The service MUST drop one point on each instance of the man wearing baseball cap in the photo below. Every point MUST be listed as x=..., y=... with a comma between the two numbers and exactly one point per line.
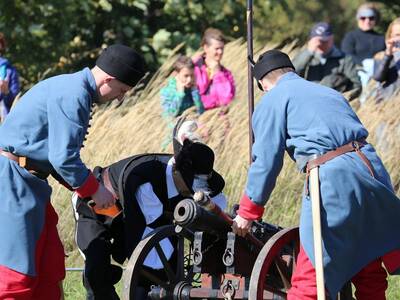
x=317, y=127
x=323, y=62
x=43, y=136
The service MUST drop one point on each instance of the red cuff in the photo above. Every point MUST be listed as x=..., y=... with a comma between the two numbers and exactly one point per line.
x=391, y=261
x=89, y=187
x=249, y=210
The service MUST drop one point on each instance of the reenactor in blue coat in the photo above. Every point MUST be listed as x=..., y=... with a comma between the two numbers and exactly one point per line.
x=43, y=136
x=360, y=213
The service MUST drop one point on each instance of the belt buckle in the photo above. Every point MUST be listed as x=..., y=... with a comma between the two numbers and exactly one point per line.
x=308, y=159
x=355, y=145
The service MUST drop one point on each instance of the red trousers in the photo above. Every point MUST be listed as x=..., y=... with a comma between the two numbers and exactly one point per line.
x=370, y=282
x=50, y=268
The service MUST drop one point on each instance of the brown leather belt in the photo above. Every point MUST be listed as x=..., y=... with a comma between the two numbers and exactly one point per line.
x=23, y=162
x=350, y=147
x=20, y=160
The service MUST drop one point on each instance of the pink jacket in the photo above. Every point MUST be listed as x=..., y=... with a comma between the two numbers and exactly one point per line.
x=218, y=91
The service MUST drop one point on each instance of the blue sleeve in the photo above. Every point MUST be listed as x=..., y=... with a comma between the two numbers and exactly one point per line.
x=13, y=87
x=67, y=119
x=269, y=127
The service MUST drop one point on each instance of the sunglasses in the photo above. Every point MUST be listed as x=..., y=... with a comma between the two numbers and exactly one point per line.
x=369, y=18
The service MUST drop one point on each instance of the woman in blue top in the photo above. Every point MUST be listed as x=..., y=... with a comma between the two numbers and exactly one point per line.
x=9, y=82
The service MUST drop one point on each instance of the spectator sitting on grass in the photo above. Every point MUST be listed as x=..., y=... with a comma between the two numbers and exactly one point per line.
x=180, y=93
x=387, y=69
x=323, y=63
x=9, y=82
x=215, y=83
x=364, y=42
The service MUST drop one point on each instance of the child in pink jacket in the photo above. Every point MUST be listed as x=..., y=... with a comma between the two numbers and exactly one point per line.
x=214, y=82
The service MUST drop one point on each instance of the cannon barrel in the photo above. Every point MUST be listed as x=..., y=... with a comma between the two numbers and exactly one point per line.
x=190, y=215
x=205, y=201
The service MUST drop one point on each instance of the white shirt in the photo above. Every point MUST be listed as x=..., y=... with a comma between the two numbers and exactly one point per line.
x=152, y=208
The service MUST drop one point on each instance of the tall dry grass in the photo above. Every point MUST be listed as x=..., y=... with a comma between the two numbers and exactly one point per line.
x=137, y=127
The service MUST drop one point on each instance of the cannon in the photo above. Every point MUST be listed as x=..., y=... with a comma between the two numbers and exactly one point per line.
x=210, y=262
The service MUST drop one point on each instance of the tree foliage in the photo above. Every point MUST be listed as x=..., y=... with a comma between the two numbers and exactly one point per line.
x=64, y=35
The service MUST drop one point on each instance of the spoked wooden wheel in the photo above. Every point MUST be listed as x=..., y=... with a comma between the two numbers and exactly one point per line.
x=274, y=266
x=175, y=272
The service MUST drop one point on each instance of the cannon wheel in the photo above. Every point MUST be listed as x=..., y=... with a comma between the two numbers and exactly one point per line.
x=172, y=274
x=271, y=256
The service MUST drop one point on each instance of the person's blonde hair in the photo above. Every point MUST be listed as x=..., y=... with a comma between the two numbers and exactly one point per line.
x=212, y=34
x=390, y=28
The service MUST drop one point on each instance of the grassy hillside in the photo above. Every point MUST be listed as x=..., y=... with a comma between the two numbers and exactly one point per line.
x=136, y=127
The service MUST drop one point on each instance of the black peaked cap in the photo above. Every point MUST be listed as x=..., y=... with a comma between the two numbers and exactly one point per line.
x=123, y=63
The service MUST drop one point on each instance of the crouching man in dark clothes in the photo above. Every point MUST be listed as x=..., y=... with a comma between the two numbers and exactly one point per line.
x=147, y=187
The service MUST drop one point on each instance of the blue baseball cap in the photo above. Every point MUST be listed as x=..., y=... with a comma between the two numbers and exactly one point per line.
x=322, y=30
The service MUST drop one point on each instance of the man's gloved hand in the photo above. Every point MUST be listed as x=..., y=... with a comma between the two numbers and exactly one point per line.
x=103, y=198
x=241, y=226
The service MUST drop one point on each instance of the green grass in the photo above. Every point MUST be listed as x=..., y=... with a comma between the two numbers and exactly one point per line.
x=393, y=292
x=73, y=287
x=74, y=290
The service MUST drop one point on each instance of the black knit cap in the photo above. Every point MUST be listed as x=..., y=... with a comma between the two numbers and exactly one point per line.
x=269, y=61
x=123, y=63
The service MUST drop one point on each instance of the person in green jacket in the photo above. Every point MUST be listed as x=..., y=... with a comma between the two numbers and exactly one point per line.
x=324, y=63
x=180, y=93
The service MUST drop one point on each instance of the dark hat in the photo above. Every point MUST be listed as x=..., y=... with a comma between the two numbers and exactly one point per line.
x=202, y=158
x=269, y=61
x=197, y=158
x=322, y=30
x=122, y=62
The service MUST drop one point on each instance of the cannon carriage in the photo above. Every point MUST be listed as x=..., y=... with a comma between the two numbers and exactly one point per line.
x=210, y=262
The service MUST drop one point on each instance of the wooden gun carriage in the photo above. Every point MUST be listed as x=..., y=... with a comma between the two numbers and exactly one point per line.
x=210, y=262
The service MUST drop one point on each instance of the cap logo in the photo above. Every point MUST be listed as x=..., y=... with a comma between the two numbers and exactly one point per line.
x=320, y=30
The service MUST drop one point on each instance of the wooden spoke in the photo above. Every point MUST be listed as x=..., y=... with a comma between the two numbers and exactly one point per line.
x=167, y=267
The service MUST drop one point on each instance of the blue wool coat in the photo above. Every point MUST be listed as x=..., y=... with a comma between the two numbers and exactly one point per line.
x=48, y=125
x=360, y=214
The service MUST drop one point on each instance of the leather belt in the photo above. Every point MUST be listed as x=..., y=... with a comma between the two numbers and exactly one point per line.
x=20, y=160
x=350, y=147
x=23, y=162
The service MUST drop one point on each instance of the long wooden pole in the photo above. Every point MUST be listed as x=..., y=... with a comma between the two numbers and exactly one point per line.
x=250, y=89
x=317, y=234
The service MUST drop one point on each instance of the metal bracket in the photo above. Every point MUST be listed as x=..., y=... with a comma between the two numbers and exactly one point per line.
x=229, y=255
x=197, y=253
x=229, y=288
